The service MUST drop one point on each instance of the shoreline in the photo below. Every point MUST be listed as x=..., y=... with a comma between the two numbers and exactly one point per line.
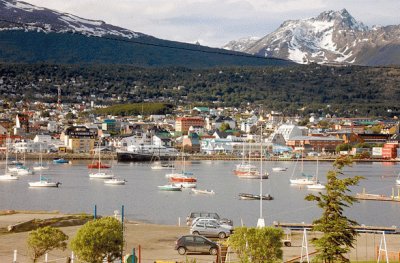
x=113, y=156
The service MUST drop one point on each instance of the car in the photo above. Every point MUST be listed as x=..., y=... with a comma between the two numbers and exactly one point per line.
x=210, y=229
x=196, y=244
x=210, y=220
x=193, y=215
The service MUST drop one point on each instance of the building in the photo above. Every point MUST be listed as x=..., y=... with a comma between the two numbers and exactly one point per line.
x=78, y=139
x=182, y=124
x=290, y=131
x=315, y=143
x=109, y=125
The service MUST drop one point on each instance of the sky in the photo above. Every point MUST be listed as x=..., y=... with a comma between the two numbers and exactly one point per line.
x=216, y=22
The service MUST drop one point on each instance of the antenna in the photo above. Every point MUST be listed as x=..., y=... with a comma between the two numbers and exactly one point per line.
x=58, y=97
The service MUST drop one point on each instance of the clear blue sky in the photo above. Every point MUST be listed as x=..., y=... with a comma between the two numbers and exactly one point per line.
x=216, y=22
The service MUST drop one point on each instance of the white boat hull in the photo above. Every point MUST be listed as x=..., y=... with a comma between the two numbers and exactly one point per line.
x=115, y=181
x=317, y=186
x=279, y=169
x=40, y=168
x=398, y=181
x=198, y=191
x=301, y=181
x=101, y=176
x=44, y=184
x=8, y=177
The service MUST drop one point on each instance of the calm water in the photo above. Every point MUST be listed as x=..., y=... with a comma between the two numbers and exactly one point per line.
x=143, y=201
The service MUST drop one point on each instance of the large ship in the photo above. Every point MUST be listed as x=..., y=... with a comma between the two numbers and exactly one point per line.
x=147, y=152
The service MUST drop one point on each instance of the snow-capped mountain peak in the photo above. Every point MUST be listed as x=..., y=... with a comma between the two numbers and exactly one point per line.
x=331, y=37
x=22, y=15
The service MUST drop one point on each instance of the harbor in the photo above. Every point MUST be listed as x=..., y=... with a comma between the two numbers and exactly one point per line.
x=143, y=200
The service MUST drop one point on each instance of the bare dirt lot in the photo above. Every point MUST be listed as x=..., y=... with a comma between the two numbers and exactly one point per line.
x=157, y=242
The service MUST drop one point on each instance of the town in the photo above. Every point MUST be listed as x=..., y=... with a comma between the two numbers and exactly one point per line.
x=202, y=132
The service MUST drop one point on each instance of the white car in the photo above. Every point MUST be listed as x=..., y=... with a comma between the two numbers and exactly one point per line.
x=210, y=220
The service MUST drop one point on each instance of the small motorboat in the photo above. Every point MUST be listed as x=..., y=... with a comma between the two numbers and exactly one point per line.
x=60, y=161
x=101, y=175
x=279, y=169
x=206, y=191
x=170, y=187
x=244, y=196
x=115, y=181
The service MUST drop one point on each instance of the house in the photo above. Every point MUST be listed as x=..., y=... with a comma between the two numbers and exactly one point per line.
x=191, y=143
x=289, y=131
x=222, y=119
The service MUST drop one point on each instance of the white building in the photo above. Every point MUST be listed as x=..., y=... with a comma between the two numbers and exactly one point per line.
x=30, y=146
x=290, y=130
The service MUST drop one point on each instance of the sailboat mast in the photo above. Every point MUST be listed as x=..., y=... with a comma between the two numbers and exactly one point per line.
x=99, y=164
x=261, y=170
x=5, y=172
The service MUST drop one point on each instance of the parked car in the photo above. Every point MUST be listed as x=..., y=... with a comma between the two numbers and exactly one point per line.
x=210, y=220
x=197, y=244
x=193, y=215
x=210, y=229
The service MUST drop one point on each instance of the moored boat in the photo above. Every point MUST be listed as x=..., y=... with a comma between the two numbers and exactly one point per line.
x=316, y=186
x=60, y=161
x=253, y=175
x=200, y=191
x=186, y=184
x=98, y=165
x=170, y=187
x=279, y=169
x=245, y=196
x=44, y=182
x=183, y=179
x=8, y=177
x=162, y=166
x=101, y=175
x=115, y=181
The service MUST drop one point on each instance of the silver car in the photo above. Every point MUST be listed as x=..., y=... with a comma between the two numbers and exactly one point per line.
x=210, y=229
x=211, y=220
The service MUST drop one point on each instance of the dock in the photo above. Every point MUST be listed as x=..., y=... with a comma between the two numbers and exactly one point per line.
x=378, y=197
x=360, y=228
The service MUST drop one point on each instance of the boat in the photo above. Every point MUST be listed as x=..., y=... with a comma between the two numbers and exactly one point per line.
x=7, y=176
x=185, y=184
x=304, y=179
x=146, y=153
x=206, y=191
x=316, y=185
x=101, y=175
x=170, y=187
x=20, y=170
x=115, y=181
x=40, y=167
x=162, y=166
x=97, y=165
x=398, y=179
x=44, y=182
x=279, y=169
x=60, y=161
x=244, y=196
x=183, y=179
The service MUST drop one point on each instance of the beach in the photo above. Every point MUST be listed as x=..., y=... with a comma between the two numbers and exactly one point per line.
x=157, y=241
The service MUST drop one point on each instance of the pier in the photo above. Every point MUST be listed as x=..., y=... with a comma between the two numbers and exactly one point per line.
x=378, y=197
x=361, y=228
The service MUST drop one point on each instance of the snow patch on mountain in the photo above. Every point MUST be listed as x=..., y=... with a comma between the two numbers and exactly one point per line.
x=25, y=16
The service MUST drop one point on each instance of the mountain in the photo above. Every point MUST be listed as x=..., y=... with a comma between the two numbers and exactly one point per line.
x=32, y=34
x=330, y=38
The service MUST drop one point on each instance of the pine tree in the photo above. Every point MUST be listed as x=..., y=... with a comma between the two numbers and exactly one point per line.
x=338, y=232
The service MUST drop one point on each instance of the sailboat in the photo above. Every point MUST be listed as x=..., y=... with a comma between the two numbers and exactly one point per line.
x=246, y=170
x=40, y=166
x=7, y=176
x=316, y=185
x=100, y=174
x=305, y=179
x=43, y=181
x=183, y=178
x=98, y=164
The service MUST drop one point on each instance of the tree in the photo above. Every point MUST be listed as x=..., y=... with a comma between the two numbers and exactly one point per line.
x=257, y=245
x=338, y=232
x=224, y=126
x=45, y=239
x=99, y=239
x=343, y=147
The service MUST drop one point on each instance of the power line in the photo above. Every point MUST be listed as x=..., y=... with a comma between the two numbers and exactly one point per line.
x=227, y=53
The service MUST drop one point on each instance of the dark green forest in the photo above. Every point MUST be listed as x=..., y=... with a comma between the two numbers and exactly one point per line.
x=299, y=89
